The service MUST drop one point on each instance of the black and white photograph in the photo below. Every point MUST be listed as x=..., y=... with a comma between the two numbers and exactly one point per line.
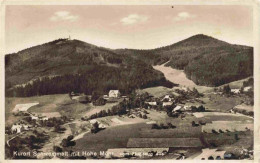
x=129, y=82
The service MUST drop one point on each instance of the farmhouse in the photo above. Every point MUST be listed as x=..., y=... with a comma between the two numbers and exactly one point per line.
x=114, y=93
x=164, y=143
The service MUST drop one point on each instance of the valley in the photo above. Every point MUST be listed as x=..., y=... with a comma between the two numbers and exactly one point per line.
x=89, y=102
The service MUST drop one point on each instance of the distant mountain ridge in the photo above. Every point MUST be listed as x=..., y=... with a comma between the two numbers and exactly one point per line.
x=204, y=59
x=84, y=67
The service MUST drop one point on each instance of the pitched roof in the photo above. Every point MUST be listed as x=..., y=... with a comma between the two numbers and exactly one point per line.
x=114, y=91
x=177, y=108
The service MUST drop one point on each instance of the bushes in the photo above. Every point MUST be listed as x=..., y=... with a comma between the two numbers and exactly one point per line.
x=201, y=108
x=100, y=101
x=68, y=142
x=226, y=89
x=95, y=127
x=163, y=126
x=124, y=107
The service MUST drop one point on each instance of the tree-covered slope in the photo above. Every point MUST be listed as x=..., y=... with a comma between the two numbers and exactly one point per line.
x=205, y=60
x=65, y=65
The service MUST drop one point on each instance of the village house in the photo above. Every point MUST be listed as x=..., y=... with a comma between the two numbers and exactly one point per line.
x=167, y=103
x=17, y=128
x=44, y=118
x=106, y=97
x=167, y=97
x=152, y=103
x=246, y=89
x=100, y=125
x=187, y=108
x=177, y=108
x=114, y=94
x=235, y=91
x=33, y=117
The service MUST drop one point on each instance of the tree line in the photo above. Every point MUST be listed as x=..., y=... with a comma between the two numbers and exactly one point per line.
x=94, y=78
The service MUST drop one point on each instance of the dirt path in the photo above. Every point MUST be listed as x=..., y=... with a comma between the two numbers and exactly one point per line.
x=7, y=142
x=48, y=147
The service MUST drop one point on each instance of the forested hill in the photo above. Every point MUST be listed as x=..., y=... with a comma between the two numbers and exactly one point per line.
x=205, y=60
x=66, y=65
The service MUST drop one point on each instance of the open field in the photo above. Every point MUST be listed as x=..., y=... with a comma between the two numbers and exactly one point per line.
x=246, y=140
x=226, y=117
x=95, y=109
x=56, y=104
x=237, y=84
x=179, y=132
x=158, y=91
x=227, y=140
x=220, y=103
x=227, y=126
x=47, y=104
x=123, y=132
x=112, y=137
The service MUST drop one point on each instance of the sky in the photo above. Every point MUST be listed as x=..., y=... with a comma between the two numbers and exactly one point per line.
x=136, y=27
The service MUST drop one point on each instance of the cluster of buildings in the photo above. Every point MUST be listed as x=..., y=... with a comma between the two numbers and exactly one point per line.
x=168, y=100
x=238, y=91
x=23, y=110
x=19, y=127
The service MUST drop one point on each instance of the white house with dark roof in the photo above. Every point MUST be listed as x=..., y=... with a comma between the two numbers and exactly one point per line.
x=114, y=93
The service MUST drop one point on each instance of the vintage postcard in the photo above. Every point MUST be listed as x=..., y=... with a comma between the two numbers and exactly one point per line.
x=144, y=80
